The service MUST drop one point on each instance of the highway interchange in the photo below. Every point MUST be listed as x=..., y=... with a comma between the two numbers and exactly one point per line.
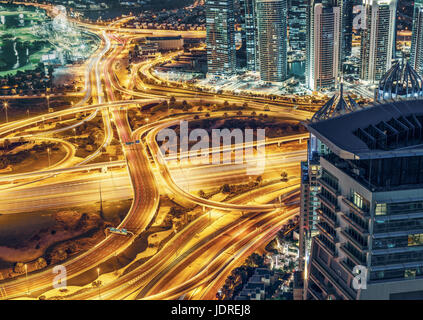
x=195, y=262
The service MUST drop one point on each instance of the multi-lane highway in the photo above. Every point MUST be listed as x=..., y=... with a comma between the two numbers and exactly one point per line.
x=220, y=238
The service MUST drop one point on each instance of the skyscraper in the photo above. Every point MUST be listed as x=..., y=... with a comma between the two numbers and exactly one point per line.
x=346, y=29
x=221, y=51
x=250, y=34
x=371, y=212
x=417, y=38
x=272, y=39
x=323, y=52
x=297, y=21
x=311, y=171
x=377, y=39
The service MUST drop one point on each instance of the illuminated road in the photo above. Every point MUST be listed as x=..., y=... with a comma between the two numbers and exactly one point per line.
x=220, y=238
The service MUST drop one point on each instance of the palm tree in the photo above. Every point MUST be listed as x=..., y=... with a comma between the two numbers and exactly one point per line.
x=41, y=263
x=19, y=267
x=6, y=143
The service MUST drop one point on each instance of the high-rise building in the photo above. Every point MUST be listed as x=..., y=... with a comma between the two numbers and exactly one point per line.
x=323, y=51
x=297, y=22
x=272, y=39
x=221, y=51
x=311, y=171
x=346, y=28
x=250, y=30
x=417, y=38
x=370, y=242
x=377, y=39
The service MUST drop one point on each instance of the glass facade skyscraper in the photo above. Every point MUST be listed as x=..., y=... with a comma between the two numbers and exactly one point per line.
x=377, y=39
x=297, y=21
x=417, y=38
x=272, y=39
x=323, y=46
x=221, y=51
x=250, y=34
x=371, y=205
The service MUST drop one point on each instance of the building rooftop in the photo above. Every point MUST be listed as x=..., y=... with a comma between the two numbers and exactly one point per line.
x=381, y=131
x=400, y=81
x=336, y=106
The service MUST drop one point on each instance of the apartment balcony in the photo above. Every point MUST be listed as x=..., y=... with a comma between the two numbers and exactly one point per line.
x=329, y=235
x=316, y=295
x=356, y=242
x=354, y=224
x=362, y=212
x=328, y=219
x=325, y=246
x=347, y=267
x=352, y=255
x=328, y=202
x=328, y=187
x=346, y=292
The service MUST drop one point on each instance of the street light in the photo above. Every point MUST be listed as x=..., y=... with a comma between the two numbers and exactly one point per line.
x=26, y=277
x=48, y=153
x=74, y=135
x=48, y=103
x=5, y=107
x=98, y=283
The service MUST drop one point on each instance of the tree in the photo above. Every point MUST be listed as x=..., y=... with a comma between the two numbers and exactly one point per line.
x=172, y=100
x=259, y=179
x=255, y=260
x=40, y=263
x=6, y=143
x=202, y=194
x=226, y=188
x=284, y=176
x=226, y=104
x=245, y=105
x=19, y=267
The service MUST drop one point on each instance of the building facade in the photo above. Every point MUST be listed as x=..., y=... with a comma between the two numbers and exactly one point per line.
x=272, y=39
x=377, y=39
x=371, y=212
x=416, y=52
x=250, y=30
x=323, y=52
x=346, y=28
x=221, y=51
x=297, y=22
x=311, y=172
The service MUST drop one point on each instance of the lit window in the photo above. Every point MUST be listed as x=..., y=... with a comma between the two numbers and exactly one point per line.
x=415, y=239
x=410, y=273
x=358, y=200
x=380, y=209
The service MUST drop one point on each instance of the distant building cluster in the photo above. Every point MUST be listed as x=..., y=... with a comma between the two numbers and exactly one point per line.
x=255, y=288
x=322, y=30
